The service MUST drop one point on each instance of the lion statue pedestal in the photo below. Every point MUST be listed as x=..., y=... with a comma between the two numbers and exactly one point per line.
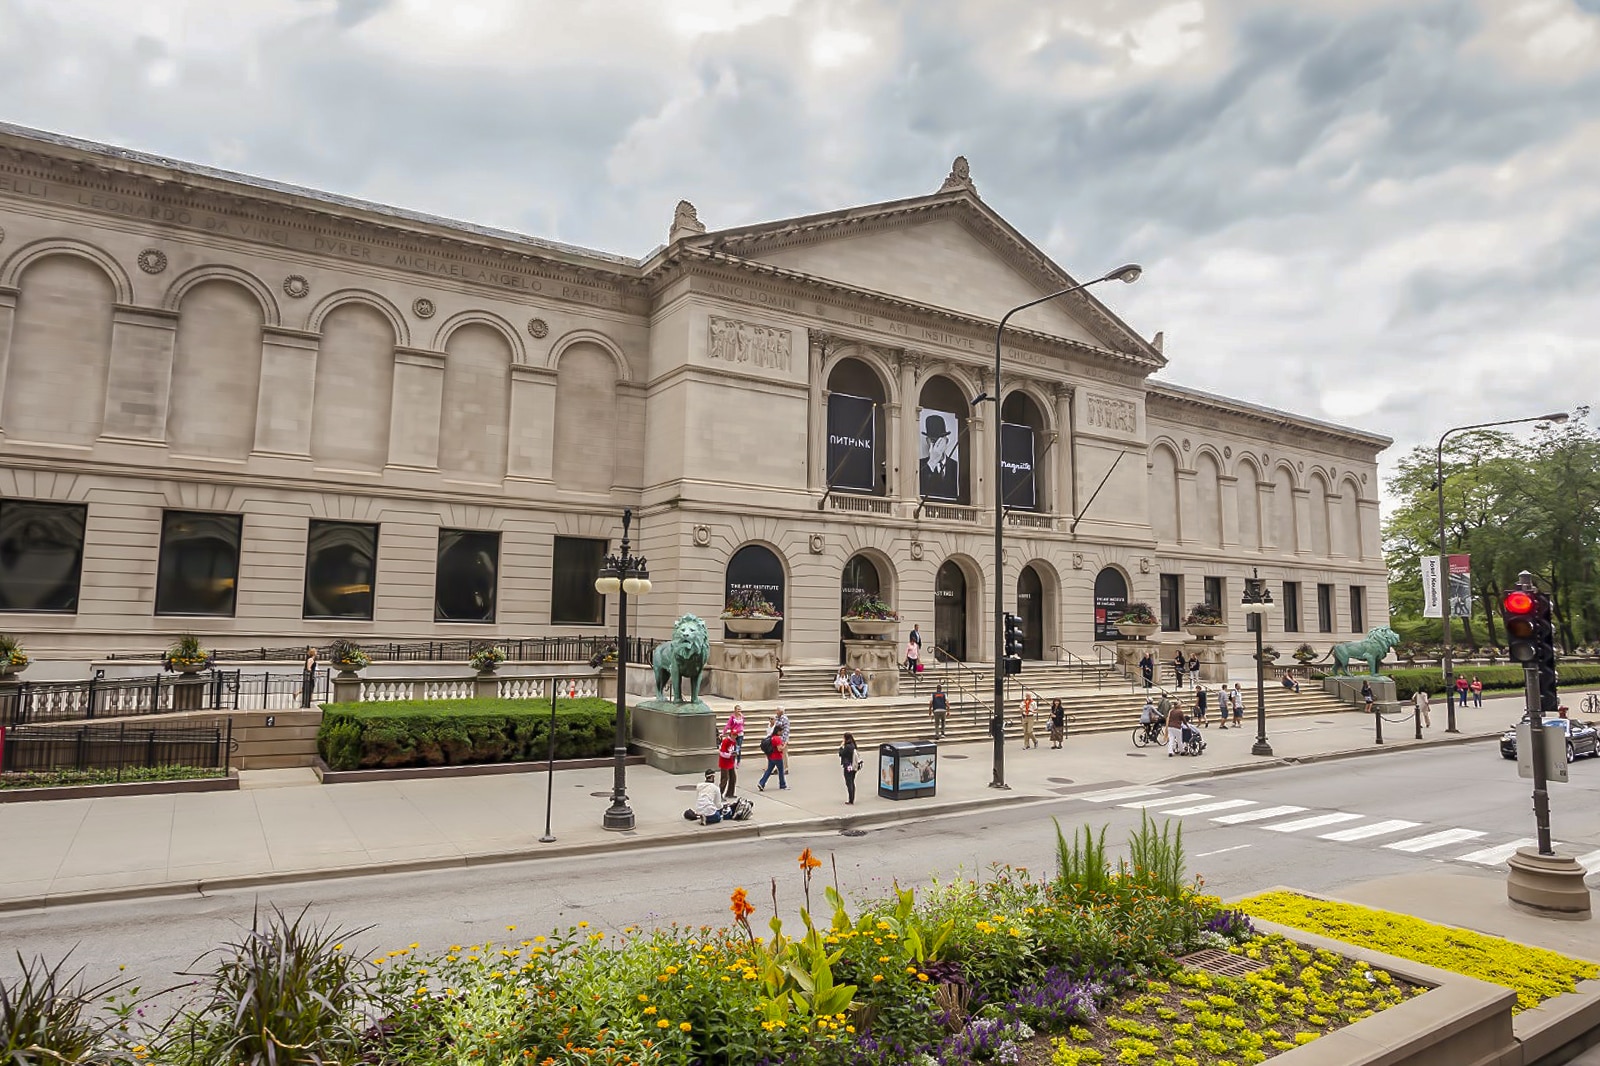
x=674, y=733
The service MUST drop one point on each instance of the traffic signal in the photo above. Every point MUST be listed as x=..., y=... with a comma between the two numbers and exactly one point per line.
x=1013, y=644
x=1544, y=635
x=1519, y=612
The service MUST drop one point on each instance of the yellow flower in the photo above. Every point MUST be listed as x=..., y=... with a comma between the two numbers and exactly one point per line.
x=685, y=1026
x=649, y=1010
x=663, y=1024
x=583, y=925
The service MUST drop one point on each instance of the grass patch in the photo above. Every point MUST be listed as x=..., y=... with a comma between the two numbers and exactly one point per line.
x=129, y=775
x=360, y=736
x=1535, y=974
x=1494, y=678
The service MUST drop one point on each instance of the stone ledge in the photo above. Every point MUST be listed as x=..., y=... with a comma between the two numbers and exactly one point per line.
x=477, y=769
x=128, y=788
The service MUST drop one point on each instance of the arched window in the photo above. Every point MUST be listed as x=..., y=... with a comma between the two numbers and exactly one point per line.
x=1249, y=494
x=857, y=430
x=472, y=433
x=1285, y=533
x=1318, y=502
x=756, y=567
x=950, y=612
x=1208, y=501
x=1030, y=608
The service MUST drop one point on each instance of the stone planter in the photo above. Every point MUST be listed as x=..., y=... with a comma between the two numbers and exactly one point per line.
x=1137, y=630
x=1202, y=631
x=872, y=627
x=187, y=668
x=750, y=627
x=8, y=669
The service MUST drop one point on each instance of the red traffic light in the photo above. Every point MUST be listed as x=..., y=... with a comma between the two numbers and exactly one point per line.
x=1517, y=602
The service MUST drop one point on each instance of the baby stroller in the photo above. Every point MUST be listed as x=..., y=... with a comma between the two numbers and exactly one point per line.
x=1189, y=742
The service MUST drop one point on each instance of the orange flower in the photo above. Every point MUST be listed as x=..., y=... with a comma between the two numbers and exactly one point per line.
x=809, y=861
x=741, y=905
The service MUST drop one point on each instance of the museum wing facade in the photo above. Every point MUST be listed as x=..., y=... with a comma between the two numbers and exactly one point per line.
x=269, y=415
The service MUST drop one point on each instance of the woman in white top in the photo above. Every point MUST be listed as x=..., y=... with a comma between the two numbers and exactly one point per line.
x=841, y=683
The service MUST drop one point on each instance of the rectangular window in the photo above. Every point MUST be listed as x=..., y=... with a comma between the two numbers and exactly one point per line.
x=199, y=568
x=467, y=576
x=1291, y=606
x=1214, y=594
x=1358, y=609
x=341, y=570
x=573, y=599
x=1171, y=602
x=41, y=555
x=1252, y=622
x=1325, y=608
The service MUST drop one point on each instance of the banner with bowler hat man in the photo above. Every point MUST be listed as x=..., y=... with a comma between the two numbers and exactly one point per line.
x=939, y=470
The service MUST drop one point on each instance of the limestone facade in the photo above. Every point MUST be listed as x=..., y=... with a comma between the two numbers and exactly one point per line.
x=181, y=342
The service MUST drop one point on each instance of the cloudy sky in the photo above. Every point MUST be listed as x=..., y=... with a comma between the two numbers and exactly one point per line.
x=1379, y=212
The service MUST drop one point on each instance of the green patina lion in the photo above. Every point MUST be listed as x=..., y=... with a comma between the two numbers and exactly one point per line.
x=683, y=658
x=1373, y=647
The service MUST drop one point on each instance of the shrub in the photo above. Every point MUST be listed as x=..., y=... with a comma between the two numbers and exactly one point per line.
x=452, y=732
x=46, y=1016
x=11, y=653
x=1406, y=682
x=1204, y=614
x=186, y=652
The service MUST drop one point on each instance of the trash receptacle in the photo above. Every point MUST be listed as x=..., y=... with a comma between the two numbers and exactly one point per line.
x=907, y=769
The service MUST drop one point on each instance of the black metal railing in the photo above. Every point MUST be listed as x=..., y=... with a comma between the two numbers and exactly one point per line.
x=34, y=702
x=119, y=746
x=569, y=649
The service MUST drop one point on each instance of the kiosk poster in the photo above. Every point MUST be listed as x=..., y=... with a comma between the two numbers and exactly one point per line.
x=939, y=468
x=852, y=443
x=1016, y=466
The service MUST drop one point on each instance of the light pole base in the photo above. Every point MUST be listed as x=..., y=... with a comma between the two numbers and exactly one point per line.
x=1261, y=747
x=1550, y=886
x=547, y=840
x=618, y=817
x=1000, y=785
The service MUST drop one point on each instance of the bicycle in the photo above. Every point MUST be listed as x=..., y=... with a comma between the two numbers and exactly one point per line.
x=1145, y=735
x=1591, y=705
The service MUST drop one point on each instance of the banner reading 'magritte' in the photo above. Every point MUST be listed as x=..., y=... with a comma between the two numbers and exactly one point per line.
x=852, y=443
x=1016, y=466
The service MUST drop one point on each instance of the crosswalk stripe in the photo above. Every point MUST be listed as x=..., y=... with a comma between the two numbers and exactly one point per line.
x=1311, y=823
x=1590, y=862
x=1162, y=801
x=1106, y=795
x=1434, y=840
x=1206, y=808
x=1376, y=829
x=1256, y=816
x=1497, y=855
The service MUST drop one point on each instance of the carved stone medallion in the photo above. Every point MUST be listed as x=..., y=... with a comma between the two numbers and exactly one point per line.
x=152, y=260
x=818, y=544
x=702, y=536
x=296, y=286
x=422, y=307
x=538, y=328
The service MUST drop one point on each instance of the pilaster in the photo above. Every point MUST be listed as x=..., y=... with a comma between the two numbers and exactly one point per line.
x=1063, y=501
x=905, y=430
x=139, y=378
x=1228, y=491
x=8, y=311
x=1302, y=521
x=817, y=414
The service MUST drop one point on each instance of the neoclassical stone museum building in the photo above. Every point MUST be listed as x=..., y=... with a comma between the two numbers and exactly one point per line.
x=270, y=415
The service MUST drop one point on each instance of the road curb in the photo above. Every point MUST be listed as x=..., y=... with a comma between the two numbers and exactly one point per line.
x=1280, y=761
x=618, y=842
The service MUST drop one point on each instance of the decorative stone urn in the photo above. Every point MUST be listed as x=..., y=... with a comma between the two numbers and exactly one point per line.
x=750, y=627
x=872, y=627
x=1137, y=630
x=1202, y=631
x=11, y=669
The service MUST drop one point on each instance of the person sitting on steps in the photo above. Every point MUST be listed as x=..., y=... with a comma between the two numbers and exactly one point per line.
x=858, y=685
x=709, y=807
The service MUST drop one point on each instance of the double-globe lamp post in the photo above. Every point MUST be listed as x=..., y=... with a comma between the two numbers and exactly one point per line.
x=622, y=573
x=1444, y=558
x=1127, y=274
x=1257, y=601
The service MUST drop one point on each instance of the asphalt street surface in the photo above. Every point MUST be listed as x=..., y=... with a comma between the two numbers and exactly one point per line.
x=1386, y=815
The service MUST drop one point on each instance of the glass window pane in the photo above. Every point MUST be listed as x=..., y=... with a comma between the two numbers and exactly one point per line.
x=1171, y=602
x=1291, y=606
x=467, y=575
x=199, y=569
x=1214, y=594
x=1325, y=608
x=1358, y=609
x=341, y=569
x=575, y=564
x=41, y=555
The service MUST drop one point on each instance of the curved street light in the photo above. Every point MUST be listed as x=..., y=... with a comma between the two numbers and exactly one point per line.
x=1438, y=485
x=1128, y=273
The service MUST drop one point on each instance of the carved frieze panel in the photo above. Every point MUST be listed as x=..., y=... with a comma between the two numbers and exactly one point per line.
x=747, y=344
x=1110, y=413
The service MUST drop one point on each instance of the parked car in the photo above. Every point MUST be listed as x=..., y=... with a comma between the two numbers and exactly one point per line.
x=1581, y=738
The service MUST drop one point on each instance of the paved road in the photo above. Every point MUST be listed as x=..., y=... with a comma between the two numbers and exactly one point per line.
x=1398, y=813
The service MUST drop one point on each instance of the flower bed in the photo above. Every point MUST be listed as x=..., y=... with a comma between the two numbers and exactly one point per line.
x=1535, y=974
x=360, y=736
x=130, y=775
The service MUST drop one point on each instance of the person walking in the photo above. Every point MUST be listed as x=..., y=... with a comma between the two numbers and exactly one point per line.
x=1179, y=665
x=915, y=637
x=1174, y=728
x=728, y=763
x=1419, y=700
x=1200, y=698
x=774, y=746
x=1238, y=706
x=735, y=727
x=938, y=707
x=851, y=762
x=1058, y=723
x=1477, y=691
x=913, y=652
x=1147, y=668
x=1194, y=670
x=1028, y=713
x=780, y=726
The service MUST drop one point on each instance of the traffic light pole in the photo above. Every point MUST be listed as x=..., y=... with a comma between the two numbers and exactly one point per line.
x=1536, y=745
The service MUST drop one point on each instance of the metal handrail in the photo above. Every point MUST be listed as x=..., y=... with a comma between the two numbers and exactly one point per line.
x=945, y=658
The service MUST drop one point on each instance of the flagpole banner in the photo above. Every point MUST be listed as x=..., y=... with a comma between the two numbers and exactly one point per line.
x=1460, y=568
x=939, y=460
x=1432, y=587
x=852, y=443
x=1017, y=487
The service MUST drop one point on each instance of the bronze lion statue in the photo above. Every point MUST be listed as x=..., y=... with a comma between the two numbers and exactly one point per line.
x=1373, y=647
x=684, y=656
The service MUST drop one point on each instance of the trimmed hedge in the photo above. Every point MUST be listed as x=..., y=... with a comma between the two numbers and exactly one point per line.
x=1406, y=682
x=362, y=736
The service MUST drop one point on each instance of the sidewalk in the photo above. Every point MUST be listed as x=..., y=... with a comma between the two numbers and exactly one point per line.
x=285, y=826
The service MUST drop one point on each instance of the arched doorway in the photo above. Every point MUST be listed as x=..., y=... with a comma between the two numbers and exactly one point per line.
x=1110, y=597
x=756, y=567
x=950, y=610
x=859, y=578
x=1030, y=607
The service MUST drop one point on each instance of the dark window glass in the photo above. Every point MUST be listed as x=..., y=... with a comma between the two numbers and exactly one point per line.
x=573, y=599
x=1291, y=606
x=1325, y=608
x=41, y=555
x=1171, y=602
x=1110, y=599
x=341, y=569
x=755, y=568
x=1358, y=609
x=467, y=575
x=199, y=568
x=1214, y=596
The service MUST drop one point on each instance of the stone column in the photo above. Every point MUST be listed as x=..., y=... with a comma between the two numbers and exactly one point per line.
x=910, y=366
x=1062, y=500
x=8, y=311
x=531, y=447
x=139, y=377
x=288, y=377
x=416, y=407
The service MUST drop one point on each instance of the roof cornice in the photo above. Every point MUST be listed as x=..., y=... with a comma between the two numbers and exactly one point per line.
x=1179, y=396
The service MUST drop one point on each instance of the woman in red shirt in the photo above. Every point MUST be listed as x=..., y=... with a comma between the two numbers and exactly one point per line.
x=1461, y=690
x=727, y=762
x=1477, y=691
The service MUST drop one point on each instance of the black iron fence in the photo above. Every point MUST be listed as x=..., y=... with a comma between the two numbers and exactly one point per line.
x=33, y=702
x=118, y=746
x=522, y=649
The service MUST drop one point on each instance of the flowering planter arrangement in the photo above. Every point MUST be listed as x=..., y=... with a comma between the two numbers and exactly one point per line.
x=1138, y=620
x=186, y=656
x=347, y=657
x=868, y=616
x=748, y=613
x=13, y=660
x=487, y=659
x=1205, y=621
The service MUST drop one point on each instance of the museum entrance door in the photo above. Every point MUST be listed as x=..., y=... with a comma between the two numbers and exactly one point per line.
x=1030, y=607
x=950, y=611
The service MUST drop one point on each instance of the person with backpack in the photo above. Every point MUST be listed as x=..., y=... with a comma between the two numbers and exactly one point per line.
x=772, y=746
x=938, y=707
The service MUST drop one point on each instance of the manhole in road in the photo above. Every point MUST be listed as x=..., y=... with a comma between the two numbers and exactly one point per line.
x=852, y=832
x=1059, y=780
x=1135, y=754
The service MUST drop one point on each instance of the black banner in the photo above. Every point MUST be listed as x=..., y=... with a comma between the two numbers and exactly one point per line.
x=1016, y=467
x=852, y=443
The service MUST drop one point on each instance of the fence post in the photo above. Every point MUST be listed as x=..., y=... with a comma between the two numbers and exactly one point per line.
x=122, y=737
x=92, y=682
x=79, y=757
x=150, y=749
x=227, y=749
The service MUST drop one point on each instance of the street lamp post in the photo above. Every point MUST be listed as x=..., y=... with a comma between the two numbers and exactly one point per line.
x=1128, y=274
x=1438, y=485
x=1258, y=601
x=620, y=574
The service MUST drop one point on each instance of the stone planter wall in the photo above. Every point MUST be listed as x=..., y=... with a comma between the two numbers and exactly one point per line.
x=744, y=669
x=879, y=660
